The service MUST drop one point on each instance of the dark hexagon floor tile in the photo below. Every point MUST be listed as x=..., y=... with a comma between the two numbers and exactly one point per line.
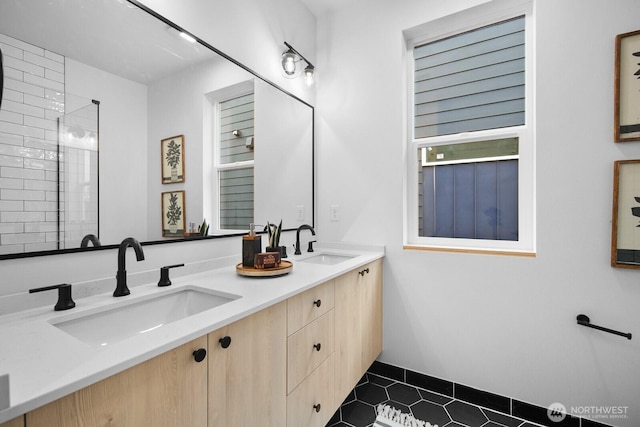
x=363, y=379
x=358, y=414
x=371, y=393
x=466, y=414
x=434, y=397
x=377, y=379
x=351, y=397
x=403, y=393
x=397, y=405
x=501, y=419
x=336, y=418
x=430, y=412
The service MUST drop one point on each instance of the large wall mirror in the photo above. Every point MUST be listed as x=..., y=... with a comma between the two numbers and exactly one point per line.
x=112, y=124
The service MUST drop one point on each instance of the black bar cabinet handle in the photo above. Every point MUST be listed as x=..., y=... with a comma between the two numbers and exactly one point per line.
x=585, y=321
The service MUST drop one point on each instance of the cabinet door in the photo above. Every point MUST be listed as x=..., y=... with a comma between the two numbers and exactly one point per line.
x=168, y=390
x=308, y=348
x=312, y=403
x=16, y=422
x=371, y=314
x=247, y=379
x=307, y=306
x=358, y=319
x=347, y=342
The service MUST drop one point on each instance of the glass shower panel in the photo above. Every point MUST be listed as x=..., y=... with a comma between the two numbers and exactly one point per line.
x=78, y=176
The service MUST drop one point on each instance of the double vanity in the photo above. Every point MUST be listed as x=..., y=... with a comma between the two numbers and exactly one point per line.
x=214, y=348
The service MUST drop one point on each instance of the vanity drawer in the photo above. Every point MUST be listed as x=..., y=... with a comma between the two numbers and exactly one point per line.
x=312, y=402
x=309, y=305
x=308, y=348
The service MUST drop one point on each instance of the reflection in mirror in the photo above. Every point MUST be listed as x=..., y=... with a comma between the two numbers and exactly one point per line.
x=77, y=176
x=79, y=70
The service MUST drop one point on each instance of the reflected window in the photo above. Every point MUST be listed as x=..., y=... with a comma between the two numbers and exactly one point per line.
x=235, y=166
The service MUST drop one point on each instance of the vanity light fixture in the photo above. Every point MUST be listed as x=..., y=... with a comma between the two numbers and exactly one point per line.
x=188, y=37
x=179, y=32
x=289, y=59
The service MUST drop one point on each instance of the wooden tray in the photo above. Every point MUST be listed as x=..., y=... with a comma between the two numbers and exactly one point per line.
x=284, y=268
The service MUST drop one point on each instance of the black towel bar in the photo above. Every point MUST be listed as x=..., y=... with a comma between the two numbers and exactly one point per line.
x=584, y=321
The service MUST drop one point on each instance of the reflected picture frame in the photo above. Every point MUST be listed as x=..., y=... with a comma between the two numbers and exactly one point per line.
x=625, y=229
x=627, y=87
x=173, y=214
x=172, y=158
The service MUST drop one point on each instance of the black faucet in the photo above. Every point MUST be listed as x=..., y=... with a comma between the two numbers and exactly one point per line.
x=297, y=246
x=121, y=275
x=90, y=238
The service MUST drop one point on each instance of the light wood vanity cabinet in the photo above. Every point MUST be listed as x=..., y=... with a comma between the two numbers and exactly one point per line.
x=310, y=347
x=16, y=422
x=247, y=379
x=358, y=317
x=168, y=390
x=291, y=364
x=312, y=403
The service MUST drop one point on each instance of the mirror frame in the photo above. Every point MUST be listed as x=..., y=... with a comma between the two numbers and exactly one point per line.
x=194, y=238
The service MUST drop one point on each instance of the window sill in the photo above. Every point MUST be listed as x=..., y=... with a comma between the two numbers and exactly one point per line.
x=470, y=251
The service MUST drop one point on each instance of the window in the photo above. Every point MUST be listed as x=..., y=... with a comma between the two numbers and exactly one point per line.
x=235, y=165
x=472, y=195
x=471, y=133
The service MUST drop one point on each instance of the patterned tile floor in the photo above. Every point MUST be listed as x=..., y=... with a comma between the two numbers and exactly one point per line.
x=358, y=409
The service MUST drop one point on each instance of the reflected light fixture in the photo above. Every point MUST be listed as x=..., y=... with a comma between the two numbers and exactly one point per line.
x=188, y=37
x=289, y=59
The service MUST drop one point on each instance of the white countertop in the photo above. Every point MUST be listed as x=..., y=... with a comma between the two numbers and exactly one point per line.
x=44, y=363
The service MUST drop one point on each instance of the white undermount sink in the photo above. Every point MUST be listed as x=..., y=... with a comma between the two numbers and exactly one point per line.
x=117, y=322
x=327, y=259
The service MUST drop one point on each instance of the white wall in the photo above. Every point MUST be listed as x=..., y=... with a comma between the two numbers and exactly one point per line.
x=122, y=213
x=283, y=158
x=185, y=93
x=497, y=323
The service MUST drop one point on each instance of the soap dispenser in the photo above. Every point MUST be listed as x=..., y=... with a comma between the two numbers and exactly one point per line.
x=251, y=245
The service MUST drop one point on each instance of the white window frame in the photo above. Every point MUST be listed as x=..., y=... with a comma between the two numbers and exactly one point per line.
x=473, y=18
x=211, y=186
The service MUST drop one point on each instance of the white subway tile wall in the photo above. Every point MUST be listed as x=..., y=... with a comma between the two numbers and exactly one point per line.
x=33, y=99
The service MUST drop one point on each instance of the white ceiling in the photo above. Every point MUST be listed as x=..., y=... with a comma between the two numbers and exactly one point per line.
x=322, y=7
x=105, y=35
x=109, y=34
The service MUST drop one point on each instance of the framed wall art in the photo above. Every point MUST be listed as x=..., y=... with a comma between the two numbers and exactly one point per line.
x=627, y=88
x=172, y=150
x=173, y=214
x=625, y=236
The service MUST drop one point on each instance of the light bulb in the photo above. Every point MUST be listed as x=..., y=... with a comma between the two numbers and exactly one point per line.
x=289, y=63
x=187, y=37
x=309, y=74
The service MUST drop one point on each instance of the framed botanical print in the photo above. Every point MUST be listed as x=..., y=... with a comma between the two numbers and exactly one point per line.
x=627, y=87
x=173, y=214
x=172, y=150
x=625, y=236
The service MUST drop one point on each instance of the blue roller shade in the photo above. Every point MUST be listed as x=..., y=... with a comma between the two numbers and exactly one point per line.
x=471, y=81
